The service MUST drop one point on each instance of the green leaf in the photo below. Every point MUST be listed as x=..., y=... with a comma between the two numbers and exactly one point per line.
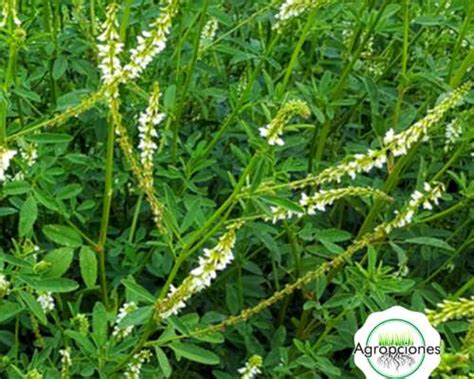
x=82, y=340
x=430, y=241
x=163, y=362
x=44, y=138
x=195, y=353
x=34, y=306
x=59, y=67
x=60, y=260
x=99, y=323
x=28, y=216
x=88, y=265
x=16, y=187
x=27, y=94
x=63, y=235
x=47, y=201
x=284, y=203
x=138, y=290
x=7, y=211
x=56, y=285
x=9, y=309
x=137, y=317
x=68, y=192
x=169, y=98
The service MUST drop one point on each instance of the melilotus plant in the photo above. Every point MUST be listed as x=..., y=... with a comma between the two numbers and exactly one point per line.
x=222, y=189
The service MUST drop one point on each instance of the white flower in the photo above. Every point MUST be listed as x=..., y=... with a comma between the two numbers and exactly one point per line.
x=251, y=368
x=5, y=157
x=274, y=130
x=211, y=261
x=120, y=332
x=417, y=199
x=46, y=301
x=148, y=121
x=397, y=144
x=135, y=366
x=452, y=134
x=110, y=47
x=293, y=8
x=319, y=201
x=28, y=152
x=208, y=32
x=66, y=357
x=151, y=42
x=9, y=10
x=4, y=286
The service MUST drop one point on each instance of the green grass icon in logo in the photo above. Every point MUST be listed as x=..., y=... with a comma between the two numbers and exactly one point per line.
x=395, y=339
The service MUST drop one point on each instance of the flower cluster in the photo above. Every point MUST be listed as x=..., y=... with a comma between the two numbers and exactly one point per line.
x=452, y=134
x=396, y=144
x=400, y=143
x=148, y=121
x=66, y=361
x=450, y=310
x=4, y=286
x=33, y=374
x=208, y=33
x=81, y=322
x=5, y=158
x=274, y=130
x=417, y=199
x=109, y=46
x=46, y=301
x=320, y=200
x=120, y=332
x=213, y=260
x=151, y=42
x=29, y=153
x=293, y=8
x=135, y=366
x=9, y=10
x=251, y=368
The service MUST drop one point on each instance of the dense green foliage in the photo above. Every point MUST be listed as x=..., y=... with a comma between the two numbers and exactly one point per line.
x=75, y=220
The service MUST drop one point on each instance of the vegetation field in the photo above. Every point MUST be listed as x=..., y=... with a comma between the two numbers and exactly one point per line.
x=228, y=189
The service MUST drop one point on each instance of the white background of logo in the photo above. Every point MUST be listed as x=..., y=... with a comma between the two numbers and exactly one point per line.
x=397, y=321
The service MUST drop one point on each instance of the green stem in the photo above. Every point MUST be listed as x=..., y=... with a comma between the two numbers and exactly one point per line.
x=406, y=26
x=92, y=18
x=296, y=51
x=230, y=119
x=193, y=244
x=463, y=68
x=8, y=81
x=189, y=75
x=135, y=218
x=108, y=191
x=464, y=288
x=319, y=141
x=466, y=26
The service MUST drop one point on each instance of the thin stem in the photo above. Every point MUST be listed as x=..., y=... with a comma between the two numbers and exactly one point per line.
x=92, y=18
x=9, y=78
x=230, y=119
x=192, y=246
x=406, y=26
x=138, y=207
x=319, y=141
x=296, y=51
x=108, y=191
x=464, y=29
x=187, y=82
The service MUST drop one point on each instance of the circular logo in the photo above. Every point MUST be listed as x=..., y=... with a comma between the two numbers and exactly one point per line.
x=397, y=343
